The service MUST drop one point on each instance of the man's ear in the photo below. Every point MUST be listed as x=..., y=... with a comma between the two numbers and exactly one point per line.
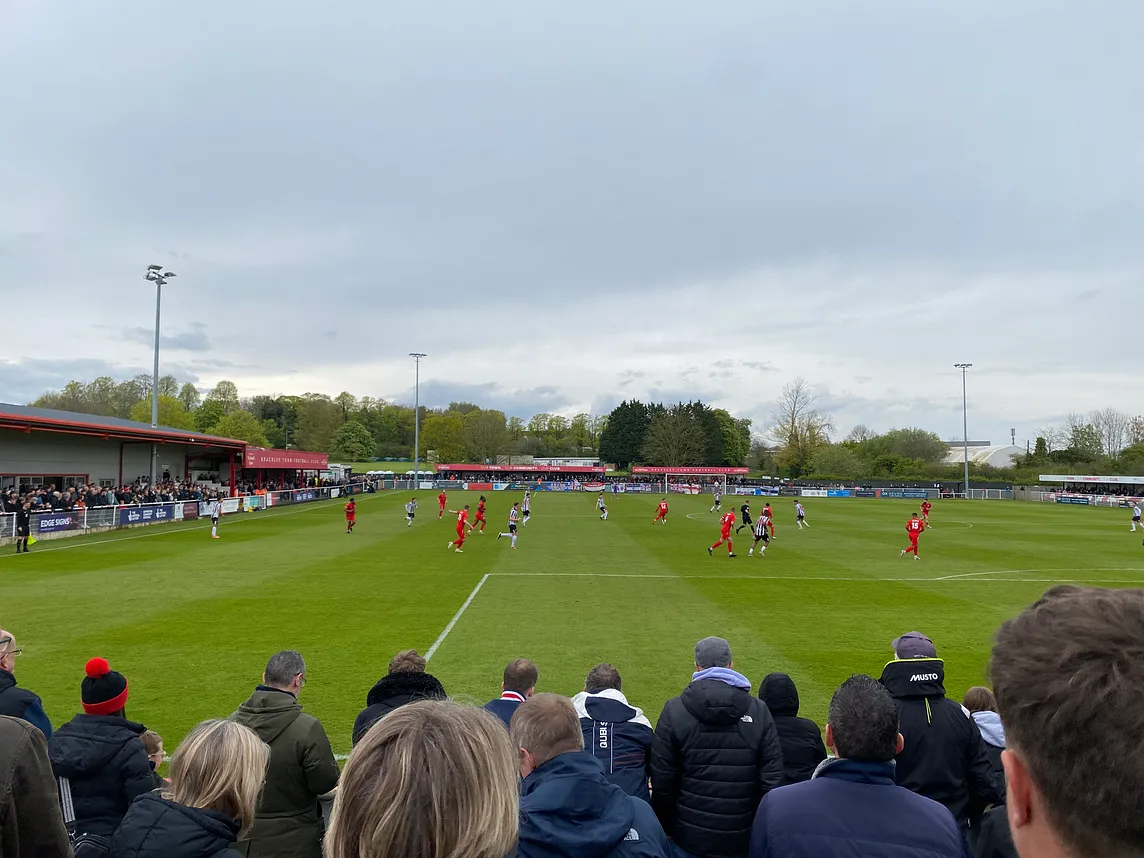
x=830, y=739
x=898, y=745
x=1021, y=800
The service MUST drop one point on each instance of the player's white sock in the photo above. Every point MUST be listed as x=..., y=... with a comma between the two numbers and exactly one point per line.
x=807, y=523
x=514, y=540
x=214, y=531
x=750, y=551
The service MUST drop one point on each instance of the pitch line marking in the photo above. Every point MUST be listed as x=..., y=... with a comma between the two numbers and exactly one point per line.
x=655, y=576
x=457, y=616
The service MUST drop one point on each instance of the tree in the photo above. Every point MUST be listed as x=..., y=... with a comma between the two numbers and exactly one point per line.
x=736, y=439
x=1112, y=425
x=538, y=424
x=837, y=461
x=555, y=430
x=225, y=393
x=463, y=407
x=516, y=428
x=243, y=426
x=123, y=397
x=189, y=397
x=859, y=434
x=348, y=404
x=444, y=435
x=1041, y=450
x=485, y=435
x=622, y=440
x=1085, y=442
x=168, y=386
x=1136, y=431
x=171, y=413
x=207, y=415
x=579, y=433
x=915, y=443
x=798, y=427
x=675, y=438
x=1055, y=437
x=352, y=442
x=318, y=419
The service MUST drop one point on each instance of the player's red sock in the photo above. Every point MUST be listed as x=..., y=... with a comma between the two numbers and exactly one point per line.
x=730, y=547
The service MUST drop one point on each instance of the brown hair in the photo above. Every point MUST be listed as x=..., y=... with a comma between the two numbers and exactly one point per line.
x=602, y=676
x=1067, y=673
x=432, y=779
x=979, y=699
x=407, y=661
x=152, y=741
x=520, y=675
x=220, y=766
x=546, y=725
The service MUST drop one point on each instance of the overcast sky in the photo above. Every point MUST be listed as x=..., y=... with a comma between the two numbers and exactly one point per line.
x=570, y=204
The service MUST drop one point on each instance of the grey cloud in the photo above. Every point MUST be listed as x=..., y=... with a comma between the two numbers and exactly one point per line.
x=514, y=403
x=194, y=340
x=24, y=380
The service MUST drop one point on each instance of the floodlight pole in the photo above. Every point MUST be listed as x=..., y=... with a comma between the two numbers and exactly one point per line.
x=964, y=367
x=159, y=277
x=417, y=416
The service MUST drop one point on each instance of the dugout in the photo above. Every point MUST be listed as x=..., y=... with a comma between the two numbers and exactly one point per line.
x=42, y=446
x=262, y=467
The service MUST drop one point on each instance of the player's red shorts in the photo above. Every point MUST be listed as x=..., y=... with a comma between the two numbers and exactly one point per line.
x=480, y=517
x=726, y=534
x=350, y=518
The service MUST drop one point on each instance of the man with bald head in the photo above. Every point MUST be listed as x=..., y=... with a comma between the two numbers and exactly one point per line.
x=14, y=701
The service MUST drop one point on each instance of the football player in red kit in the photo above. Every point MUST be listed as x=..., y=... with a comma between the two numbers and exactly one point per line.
x=480, y=519
x=661, y=513
x=441, y=500
x=770, y=518
x=726, y=523
x=351, y=516
x=463, y=527
x=926, y=507
x=915, y=527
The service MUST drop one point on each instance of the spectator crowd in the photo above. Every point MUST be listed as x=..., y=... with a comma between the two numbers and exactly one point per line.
x=1043, y=765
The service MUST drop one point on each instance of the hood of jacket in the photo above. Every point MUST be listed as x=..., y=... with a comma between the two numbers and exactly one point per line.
x=7, y=680
x=778, y=691
x=268, y=712
x=713, y=701
x=87, y=743
x=397, y=689
x=568, y=808
x=914, y=678
x=608, y=704
x=156, y=827
x=989, y=723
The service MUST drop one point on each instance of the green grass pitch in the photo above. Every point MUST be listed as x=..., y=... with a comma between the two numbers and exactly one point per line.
x=191, y=621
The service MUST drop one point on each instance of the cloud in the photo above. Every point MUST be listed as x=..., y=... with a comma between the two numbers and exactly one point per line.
x=194, y=340
x=489, y=395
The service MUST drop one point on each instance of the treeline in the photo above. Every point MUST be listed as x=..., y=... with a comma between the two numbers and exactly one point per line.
x=674, y=436
x=347, y=427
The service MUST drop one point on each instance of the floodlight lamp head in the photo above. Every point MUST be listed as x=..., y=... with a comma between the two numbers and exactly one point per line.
x=154, y=267
x=168, y=274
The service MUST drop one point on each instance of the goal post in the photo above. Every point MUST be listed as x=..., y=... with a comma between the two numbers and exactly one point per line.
x=693, y=484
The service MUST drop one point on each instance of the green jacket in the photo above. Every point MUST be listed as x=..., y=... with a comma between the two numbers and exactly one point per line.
x=302, y=767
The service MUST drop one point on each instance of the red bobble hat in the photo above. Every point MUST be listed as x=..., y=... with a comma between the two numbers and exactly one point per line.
x=103, y=690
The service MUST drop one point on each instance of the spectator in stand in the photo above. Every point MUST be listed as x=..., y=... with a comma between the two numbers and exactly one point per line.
x=15, y=701
x=302, y=766
x=519, y=684
x=944, y=755
x=567, y=806
x=405, y=683
x=615, y=732
x=31, y=823
x=101, y=753
x=801, y=738
x=216, y=775
x=1068, y=673
x=716, y=753
x=456, y=761
x=852, y=807
x=153, y=742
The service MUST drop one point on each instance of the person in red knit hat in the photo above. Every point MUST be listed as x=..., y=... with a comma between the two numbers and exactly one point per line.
x=101, y=753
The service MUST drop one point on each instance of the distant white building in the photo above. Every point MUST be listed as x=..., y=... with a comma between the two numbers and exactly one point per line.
x=995, y=455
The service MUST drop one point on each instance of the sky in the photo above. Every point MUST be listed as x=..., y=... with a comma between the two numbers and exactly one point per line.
x=566, y=205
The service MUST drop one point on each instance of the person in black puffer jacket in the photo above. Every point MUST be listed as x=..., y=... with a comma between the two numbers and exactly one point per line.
x=101, y=753
x=801, y=738
x=715, y=754
x=406, y=682
x=216, y=775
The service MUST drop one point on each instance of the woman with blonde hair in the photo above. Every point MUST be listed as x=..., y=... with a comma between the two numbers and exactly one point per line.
x=432, y=779
x=216, y=776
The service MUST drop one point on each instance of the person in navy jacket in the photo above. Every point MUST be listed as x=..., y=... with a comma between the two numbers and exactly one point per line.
x=567, y=807
x=615, y=732
x=519, y=684
x=852, y=807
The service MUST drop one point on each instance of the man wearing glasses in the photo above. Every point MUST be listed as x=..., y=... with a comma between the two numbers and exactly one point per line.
x=18, y=702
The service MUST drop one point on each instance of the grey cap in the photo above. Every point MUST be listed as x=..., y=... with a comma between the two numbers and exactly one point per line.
x=712, y=652
x=914, y=645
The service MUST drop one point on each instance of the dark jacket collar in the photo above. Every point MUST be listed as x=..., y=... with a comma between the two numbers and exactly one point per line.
x=857, y=771
x=261, y=687
x=915, y=677
x=405, y=685
x=7, y=680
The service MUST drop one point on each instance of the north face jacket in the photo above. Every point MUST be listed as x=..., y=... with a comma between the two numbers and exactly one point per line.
x=390, y=692
x=569, y=810
x=801, y=739
x=302, y=768
x=944, y=755
x=619, y=736
x=716, y=753
x=105, y=762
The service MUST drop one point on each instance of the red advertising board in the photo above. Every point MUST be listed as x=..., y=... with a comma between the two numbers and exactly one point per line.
x=292, y=460
x=698, y=472
x=524, y=469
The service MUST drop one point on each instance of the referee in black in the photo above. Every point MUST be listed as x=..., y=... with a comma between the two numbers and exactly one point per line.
x=745, y=514
x=23, y=526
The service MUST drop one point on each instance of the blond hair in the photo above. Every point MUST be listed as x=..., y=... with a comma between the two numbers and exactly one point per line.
x=220, y=766
x=546, y=725
x=432, y=779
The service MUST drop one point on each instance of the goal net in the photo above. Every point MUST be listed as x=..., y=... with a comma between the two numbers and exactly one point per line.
x=692, y=484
